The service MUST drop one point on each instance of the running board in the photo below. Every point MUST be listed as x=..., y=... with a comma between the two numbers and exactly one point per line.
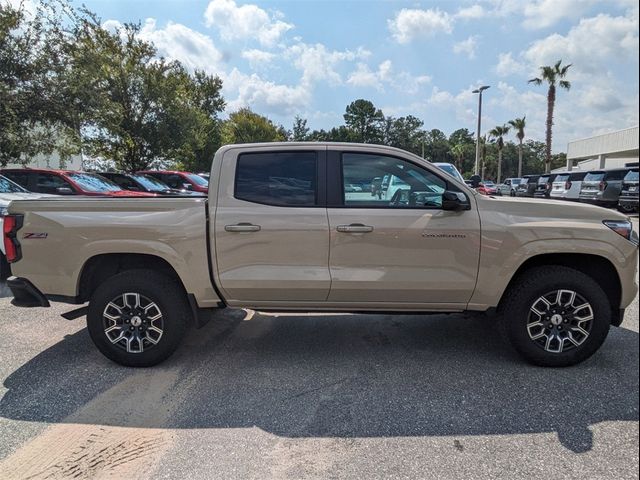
x=77, y=313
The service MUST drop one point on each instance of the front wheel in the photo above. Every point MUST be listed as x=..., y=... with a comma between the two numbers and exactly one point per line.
x=555, y=316
x=137, y=318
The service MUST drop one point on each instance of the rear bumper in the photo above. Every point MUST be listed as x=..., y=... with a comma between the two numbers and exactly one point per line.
x=628, y=202
x=25, y=294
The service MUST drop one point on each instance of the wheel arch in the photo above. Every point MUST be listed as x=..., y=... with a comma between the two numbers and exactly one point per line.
x=599, y=268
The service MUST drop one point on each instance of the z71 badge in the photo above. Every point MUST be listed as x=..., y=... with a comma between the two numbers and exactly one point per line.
x=35, y=236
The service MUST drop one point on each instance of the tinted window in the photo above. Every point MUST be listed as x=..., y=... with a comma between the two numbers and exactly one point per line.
x=562, y=178
x=21, y=178
x=50, y=183
x=594, y=176
x=173, y=180
x=388, y=182
x=197, y=179
x=543, y=180
x=124, y=182
x=632, y=176
x=615, y=175
x=280, y=179
x=576, y=177
x=7, y=186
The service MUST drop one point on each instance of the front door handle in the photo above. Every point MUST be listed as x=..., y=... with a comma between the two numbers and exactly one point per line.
x=354, y=228
x=242, y=227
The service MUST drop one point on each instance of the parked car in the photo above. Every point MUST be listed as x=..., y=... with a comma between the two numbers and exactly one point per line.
x=139, y=182
x=567, y=185
x=67, y=182
x=543, y=185
x=490, y=188
x=10, y=191
x=603, y=187
x=528, y=185
x=180, y=180
x=150, y=269
x=508, y=187
x=450, y=168
x=628, y=201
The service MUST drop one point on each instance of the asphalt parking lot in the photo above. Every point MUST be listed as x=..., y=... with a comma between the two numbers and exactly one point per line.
x=256, y=395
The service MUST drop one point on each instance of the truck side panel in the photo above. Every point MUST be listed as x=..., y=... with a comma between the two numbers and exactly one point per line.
x=60, y=235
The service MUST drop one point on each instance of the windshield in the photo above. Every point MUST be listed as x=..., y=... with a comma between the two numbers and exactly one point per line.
x=197, y=179
x=450, y=169
x=594, y=177
x=7, y=186
x=632, y=176
x=93, y=183
x=149, y=182
x=488, y=183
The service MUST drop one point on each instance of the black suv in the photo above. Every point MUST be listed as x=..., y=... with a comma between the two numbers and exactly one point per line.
x=528, y=186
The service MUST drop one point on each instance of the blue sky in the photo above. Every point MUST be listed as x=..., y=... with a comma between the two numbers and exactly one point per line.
x=311, y=58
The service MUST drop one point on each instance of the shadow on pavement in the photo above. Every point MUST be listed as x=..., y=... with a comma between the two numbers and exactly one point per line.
x=338, y=376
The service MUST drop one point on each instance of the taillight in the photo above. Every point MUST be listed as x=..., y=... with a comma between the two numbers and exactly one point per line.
x=567, y=185
x=10, y=226
x=602, y=185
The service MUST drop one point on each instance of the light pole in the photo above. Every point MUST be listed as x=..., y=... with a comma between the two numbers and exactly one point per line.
x=479, y=91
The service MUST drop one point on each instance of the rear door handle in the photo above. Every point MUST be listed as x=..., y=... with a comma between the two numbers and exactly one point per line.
x=354, y=228
x=242, y=227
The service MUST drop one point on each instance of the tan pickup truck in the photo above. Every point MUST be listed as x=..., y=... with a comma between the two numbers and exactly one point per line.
x=303, y=226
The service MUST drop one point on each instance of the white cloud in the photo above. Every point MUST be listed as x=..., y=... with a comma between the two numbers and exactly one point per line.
x=264, y=96
x=258, y=58
x=462, y=103
x=507, y=65
x=471, y=13
x=468, y=46
x=245, y=22
x=317, y=63
x=410, y=23
x=364, y=77
x=178, y=42
x=545, y=13
x=590, y=45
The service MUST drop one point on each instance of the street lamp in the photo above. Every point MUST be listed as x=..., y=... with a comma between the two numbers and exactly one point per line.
x=479, y=91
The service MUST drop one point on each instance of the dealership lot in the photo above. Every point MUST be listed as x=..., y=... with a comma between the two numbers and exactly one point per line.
x=256, y=395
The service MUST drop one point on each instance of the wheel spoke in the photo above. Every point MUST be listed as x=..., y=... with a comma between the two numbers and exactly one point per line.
x=137, y=311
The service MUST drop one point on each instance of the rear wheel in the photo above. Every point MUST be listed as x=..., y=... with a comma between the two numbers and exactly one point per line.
x=555, y=316
x=137, y=318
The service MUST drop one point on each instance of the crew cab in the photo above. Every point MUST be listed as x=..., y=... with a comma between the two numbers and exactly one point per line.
x=278, y=231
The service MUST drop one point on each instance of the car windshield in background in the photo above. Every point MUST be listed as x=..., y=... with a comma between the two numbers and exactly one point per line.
x=93, y=183
x=7, y=186
x=562, y=178
x=198, y=180
x=149, y=182
x=594, y=177
x=451, y=170
x=632, y=176
x=489, y=184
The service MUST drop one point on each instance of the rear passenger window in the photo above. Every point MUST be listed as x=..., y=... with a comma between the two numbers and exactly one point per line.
x=21, y=178
x=616, y=175
x=280, y=179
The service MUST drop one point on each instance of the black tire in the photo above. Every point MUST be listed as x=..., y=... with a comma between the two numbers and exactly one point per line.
x=170, y=301
x=519, y=321
x=5, y=268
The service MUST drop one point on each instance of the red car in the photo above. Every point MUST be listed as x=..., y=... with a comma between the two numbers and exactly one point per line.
x=68, y=182
x=180, y=180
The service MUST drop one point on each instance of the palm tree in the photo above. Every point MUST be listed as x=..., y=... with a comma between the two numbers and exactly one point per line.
x=552, y=75
x=498, y=133
x=518, y=124
x=458, y=151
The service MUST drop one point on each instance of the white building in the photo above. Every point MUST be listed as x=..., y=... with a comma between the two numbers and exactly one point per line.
x=611, y=150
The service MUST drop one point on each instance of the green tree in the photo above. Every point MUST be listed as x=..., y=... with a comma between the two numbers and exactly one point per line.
x=552, y=75
x=458, y=151
x=404, y=132
x=300, y=132
x=32, y=59
x=519, y=125
x=245, y=126
x=437, y=147
x=498, y=133
x=365, y=120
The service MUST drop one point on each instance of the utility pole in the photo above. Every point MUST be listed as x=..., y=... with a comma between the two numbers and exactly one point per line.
x=479, y=91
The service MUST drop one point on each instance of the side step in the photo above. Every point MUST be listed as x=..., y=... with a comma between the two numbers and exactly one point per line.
x=77, y=313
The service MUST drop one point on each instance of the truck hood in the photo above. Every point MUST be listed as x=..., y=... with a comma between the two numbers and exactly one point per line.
x=545, y=209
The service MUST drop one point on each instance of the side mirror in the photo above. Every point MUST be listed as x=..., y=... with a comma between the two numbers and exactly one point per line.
x=64, y=191
x=455, y=201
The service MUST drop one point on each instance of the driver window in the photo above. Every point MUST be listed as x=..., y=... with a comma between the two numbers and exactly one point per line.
x=379, y=181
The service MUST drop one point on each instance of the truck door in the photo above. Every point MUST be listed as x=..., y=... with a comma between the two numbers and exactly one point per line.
x=405, y=249
x=271, y=229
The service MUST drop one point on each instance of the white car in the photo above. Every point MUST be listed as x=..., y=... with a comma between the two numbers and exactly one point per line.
x=451, y=169
x=508, y=187
x=567, y=185
x=10, y=191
